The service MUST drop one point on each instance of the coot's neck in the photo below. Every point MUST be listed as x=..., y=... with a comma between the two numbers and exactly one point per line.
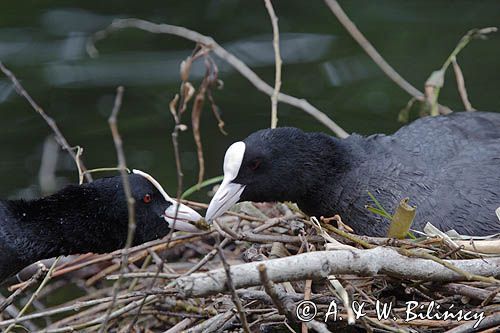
x=72, y=221
x=329, y=159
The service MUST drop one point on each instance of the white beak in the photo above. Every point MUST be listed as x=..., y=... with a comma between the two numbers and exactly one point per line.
x=227, y=195
x=182, y=220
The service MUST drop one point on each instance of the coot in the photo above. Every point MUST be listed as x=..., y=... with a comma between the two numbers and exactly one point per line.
x=87, y=218
x=449, y=167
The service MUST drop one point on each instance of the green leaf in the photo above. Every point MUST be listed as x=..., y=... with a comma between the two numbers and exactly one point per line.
x=411, y=235
x=379, y=206
x=378, y=212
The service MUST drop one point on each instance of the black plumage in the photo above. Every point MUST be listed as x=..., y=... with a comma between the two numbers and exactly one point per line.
x=78, y=219
x=449, y=167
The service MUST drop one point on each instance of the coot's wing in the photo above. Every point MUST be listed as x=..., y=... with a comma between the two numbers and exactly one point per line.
x=469, y=190
x=470, y=126
x=431, y=142
x=447, y=166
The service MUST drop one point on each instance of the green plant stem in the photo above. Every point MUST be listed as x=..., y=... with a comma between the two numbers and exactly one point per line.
x=198, y=187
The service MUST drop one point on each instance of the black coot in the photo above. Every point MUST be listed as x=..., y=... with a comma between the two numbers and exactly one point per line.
x=449, y=167
x=87, y=218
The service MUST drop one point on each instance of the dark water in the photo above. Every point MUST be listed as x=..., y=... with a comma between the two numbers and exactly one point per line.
x=43, y=43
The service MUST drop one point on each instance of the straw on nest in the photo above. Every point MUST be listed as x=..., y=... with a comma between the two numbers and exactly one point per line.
x=277, y=259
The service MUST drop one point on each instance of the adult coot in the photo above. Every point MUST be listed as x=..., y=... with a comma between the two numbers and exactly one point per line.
x=449, y=167
x=87, y=218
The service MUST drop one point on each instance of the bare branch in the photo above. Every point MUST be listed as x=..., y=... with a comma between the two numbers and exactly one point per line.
x=488, y=322
x=80, y=304
x=461, y=85
x=277, y=61
x=34, y=279
x=321, y=264
x=34, y=295
x=100, y=320
x=122, y=165
x=234, y=295
x=51, y=122
x=279, y=298
x=209, y=42
x=370, y=50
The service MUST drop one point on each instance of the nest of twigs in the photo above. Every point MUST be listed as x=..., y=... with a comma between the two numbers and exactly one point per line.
x=277, y=259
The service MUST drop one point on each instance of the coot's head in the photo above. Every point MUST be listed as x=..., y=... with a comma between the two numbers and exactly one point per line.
x=153, y=200
x=269, y=165
x=155, y=210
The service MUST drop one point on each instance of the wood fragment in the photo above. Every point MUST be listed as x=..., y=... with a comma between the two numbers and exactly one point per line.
x=320, y=264
x=230, y=58
x=401, y=220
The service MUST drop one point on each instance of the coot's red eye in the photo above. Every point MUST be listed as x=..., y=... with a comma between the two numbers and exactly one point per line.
x=147, y=198
x=254, y=165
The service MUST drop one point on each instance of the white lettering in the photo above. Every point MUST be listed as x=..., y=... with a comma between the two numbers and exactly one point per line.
x=383, y=314
x=332, y=310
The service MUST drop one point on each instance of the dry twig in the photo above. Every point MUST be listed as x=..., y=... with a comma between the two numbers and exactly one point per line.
x=277, y=61
x=461, y=85
x=122, y=166
x=284, y=305
x=234, y=295
x=320, y=264
x=33, y=297
x=34, y=279
x=375, y=55
x=370, y=50
x=209, y=42
x=51, y=122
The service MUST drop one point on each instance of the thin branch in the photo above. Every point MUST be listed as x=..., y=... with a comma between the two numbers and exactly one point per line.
x=80, y=304
x=181, y=326
x=51, y=122
x=212, y=324
x=461, y=85
x=209, y=42
x=34, y=279
x=209, y=256
x=156, y=245
x=370, y=50
x=317, y=326
x=489, y=321
x=307, y=297
x=491, y=297
x=282, y=302
x=78, y=160
x=186, y=93
x=480, y=33
x=234, y=295
x=198, y=104
x=143, y=301
x=100, y=320
x=446, y=263
x=122, y=165
x=143, y=275
x=435, y=81
x=34, y=295
x=277, y=61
